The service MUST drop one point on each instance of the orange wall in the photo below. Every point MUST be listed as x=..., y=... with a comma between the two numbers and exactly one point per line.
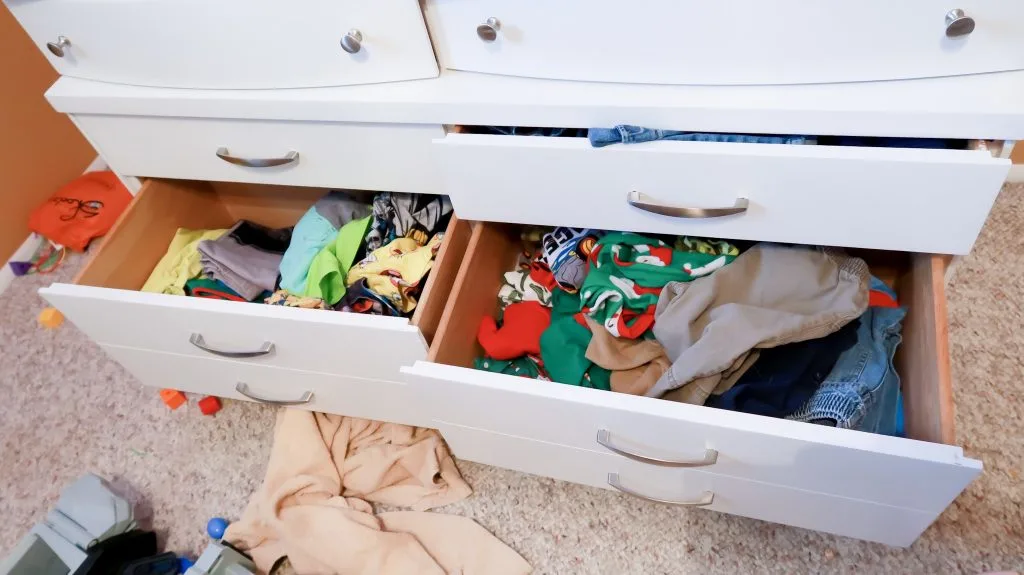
x=40, y=149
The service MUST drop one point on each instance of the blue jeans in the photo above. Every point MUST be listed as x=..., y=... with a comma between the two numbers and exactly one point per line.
x=600, y=137
x=862, y=391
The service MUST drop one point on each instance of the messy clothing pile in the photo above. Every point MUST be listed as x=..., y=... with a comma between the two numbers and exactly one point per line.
x=343, y=254
x=784, y=331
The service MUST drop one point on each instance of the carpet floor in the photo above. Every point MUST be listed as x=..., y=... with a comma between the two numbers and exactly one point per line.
x=66, y=409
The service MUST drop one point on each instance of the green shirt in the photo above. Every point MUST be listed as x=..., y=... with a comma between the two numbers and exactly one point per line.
x=327, y=273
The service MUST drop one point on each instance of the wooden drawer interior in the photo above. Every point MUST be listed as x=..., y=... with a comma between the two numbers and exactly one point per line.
x=922, y=359
x=140, y=237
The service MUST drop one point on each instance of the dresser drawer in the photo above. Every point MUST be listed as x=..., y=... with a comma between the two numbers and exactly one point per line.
x=920, y=200
x=691, y=488
x=696, y=42
x=349, y=155
x=923, y=474
x=104, y=304
x=343, y=394
x=226, y=44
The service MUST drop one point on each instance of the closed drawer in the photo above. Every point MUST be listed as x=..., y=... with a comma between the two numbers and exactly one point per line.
x=342, y=394
x=695, y=42
x=691, y=488
x=231, y=43
x=923, y=473
x=349, y=155
x=920, y=200
x=104, y=304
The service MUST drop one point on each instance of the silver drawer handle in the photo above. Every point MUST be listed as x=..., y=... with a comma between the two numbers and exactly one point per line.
x=289, y=158
x=646, y=203
x=488, y=31
x=706, y=499
x=59, y=47
x=352, y=42
x=243, y=388
x=197, y=340
x=604, y=438
x=958, y=23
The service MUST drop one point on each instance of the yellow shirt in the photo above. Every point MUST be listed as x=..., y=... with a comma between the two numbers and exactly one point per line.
x=180, y=263
x=395, y=270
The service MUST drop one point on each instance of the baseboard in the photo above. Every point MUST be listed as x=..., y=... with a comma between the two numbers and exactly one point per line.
x=1016, y=173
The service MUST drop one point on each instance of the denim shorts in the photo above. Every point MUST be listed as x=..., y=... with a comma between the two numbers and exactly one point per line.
x=600, y=137
x=862, y=391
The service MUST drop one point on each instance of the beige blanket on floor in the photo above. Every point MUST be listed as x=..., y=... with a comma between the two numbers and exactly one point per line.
x=313, y=504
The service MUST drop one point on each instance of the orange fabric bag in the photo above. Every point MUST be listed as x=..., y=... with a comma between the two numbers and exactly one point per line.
x=81, y=210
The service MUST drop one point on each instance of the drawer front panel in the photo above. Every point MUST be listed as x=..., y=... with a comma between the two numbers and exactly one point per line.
x=347, y=344
x=932, y=201
x=343, y=155
x=810, y=510
x=342, y=395
x=857, y=465
x=231, y=43
x=695, y=42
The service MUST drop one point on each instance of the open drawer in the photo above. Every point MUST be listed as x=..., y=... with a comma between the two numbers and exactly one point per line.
x=907, y=199
x=922, y=474
x=104, y=302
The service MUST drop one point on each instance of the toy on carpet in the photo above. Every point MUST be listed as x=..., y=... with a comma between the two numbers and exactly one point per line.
x=50, y=318
x=46, y=259
x=173, y=398
x=91, y=530
x=222, y=559
x=209, y=405
x=216, y=527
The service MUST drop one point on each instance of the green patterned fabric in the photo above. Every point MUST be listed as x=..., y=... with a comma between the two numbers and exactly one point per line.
x=628, y=271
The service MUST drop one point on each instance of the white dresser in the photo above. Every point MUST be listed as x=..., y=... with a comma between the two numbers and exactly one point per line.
x=236, y=109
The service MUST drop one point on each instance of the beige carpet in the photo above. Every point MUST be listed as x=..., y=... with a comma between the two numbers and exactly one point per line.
x=66, y=409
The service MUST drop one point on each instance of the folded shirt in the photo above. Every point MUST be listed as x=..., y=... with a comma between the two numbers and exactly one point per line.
x=246, y=259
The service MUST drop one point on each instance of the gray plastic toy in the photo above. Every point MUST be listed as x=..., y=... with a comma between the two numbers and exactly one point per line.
x=219, y=559
x=87, y=513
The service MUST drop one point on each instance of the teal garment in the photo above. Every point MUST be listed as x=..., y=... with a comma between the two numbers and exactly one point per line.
x=317, y=228
x=563, y=346
x=310, y=235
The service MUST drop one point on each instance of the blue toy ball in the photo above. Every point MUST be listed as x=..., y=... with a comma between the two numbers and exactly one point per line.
x=184, y=563
x=215, y=527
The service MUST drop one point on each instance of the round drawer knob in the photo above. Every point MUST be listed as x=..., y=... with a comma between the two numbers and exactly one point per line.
x=352, y=42
x=57, y=48
x=488, y=31
x=958, y=24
